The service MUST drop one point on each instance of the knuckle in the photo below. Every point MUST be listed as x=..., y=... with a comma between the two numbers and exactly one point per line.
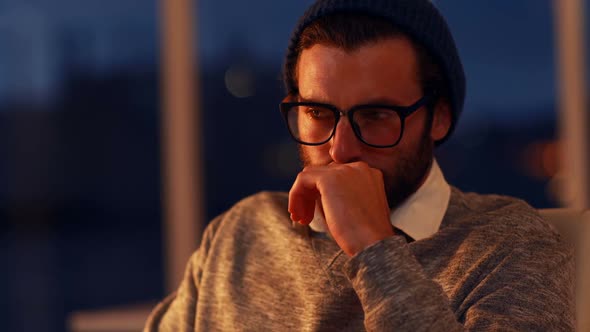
x=361, y=165
x=377, y=173
x=298, y=179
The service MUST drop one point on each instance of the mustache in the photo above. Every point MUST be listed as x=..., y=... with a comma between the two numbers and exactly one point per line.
x=305, y=160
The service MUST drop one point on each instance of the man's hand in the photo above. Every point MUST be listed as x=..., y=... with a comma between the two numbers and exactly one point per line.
x=353, y=199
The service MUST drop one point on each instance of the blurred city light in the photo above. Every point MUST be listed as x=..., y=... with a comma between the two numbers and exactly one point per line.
x=240, y=81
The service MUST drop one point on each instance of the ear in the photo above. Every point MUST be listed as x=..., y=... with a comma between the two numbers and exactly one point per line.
x=441, y=120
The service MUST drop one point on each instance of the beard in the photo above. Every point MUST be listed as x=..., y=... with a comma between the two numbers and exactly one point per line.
x=407, y=175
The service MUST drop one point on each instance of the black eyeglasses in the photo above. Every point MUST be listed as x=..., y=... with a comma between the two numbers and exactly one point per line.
x=379, y=126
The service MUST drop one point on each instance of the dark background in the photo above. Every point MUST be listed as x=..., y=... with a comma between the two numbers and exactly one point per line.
x=80, y=186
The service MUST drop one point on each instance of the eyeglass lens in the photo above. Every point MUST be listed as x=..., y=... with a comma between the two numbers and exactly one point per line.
x=316, y=124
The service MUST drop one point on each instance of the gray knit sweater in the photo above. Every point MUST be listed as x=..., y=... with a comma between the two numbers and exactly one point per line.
x=493, y=265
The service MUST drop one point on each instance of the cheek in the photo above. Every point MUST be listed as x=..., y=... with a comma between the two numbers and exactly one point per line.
x=414, y=131
x=385, y=160
x=316, y=155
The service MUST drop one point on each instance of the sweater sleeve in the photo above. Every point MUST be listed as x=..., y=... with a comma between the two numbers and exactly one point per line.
x=529, y=289
x=394, y=291
x=177, y=311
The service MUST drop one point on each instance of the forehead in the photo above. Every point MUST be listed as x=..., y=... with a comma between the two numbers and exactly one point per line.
x=384, y=70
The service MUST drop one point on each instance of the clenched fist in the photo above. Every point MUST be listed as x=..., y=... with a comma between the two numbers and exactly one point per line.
x=353, y=200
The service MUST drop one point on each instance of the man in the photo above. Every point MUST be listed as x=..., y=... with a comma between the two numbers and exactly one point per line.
x=370, y=236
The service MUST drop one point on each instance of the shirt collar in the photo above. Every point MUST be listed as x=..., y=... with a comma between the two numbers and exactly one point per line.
x=420, y=215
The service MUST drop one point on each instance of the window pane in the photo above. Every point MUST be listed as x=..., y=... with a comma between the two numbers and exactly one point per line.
x=506, y=139
x=79, y=176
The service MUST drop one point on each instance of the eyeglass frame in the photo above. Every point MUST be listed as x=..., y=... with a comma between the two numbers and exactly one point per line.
x=402, y=111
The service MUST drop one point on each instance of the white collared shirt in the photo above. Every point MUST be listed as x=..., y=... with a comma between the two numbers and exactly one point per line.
x=420, y=215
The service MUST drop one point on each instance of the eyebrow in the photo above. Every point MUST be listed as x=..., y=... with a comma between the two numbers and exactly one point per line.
x=373, y=101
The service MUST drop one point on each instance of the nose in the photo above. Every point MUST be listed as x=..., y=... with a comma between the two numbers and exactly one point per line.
x=345, y=146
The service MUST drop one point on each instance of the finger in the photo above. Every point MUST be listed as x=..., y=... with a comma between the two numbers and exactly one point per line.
x=302, y=197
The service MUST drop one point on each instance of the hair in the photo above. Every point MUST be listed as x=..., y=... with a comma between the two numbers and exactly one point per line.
x=350, y=31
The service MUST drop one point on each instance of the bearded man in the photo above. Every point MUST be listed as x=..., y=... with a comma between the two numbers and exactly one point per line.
x=371, y=236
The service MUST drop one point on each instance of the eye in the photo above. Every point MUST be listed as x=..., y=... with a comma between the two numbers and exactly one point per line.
x=374, y=114
x=319, y=113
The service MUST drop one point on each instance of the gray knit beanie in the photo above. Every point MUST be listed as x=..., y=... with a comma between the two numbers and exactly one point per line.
x=419, y=19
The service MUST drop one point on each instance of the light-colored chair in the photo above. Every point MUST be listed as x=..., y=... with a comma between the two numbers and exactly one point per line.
x=574, y=227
